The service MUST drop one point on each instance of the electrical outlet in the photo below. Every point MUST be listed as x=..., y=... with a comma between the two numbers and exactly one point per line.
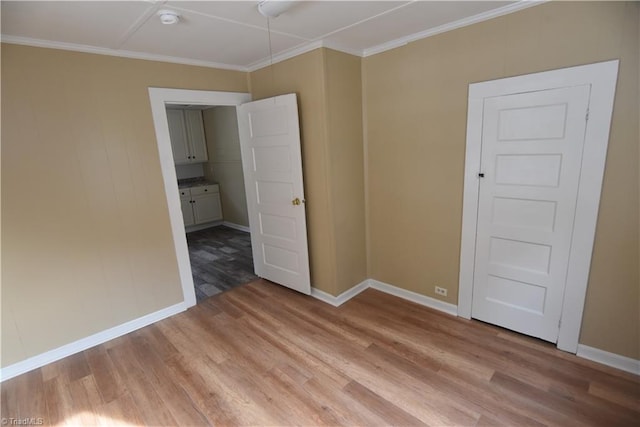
x=441, y=291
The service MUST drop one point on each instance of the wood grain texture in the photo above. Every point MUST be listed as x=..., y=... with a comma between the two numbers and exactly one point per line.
x=261, y=354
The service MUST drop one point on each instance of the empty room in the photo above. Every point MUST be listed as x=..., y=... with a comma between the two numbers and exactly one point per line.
x=353, y=213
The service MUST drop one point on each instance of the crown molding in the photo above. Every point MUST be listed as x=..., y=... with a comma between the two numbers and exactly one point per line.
x=336, y=46
x=484, y=16
x=282, y=56
x=299, y=50
x=27, y=41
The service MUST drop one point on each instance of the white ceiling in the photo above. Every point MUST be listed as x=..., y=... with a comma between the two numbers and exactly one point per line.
x=233, y=34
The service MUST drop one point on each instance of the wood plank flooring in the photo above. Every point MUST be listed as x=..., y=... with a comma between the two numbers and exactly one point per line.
x=261, y=354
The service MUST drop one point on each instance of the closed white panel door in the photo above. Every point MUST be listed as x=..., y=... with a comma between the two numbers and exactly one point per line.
x=532, y=147
x=272, y=165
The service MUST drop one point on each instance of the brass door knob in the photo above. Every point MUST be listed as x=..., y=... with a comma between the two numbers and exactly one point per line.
x=297, y=201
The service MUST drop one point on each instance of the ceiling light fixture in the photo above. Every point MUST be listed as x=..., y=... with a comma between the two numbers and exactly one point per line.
x=168, y=17
x=273, y=8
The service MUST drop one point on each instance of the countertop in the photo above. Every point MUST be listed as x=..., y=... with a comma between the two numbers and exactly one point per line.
x=194, y=182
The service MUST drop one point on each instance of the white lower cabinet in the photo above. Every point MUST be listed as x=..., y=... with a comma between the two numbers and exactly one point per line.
x=187, y=207
x=200, y=204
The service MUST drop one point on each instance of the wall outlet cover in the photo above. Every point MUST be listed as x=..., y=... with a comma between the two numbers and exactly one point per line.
x=441, y=291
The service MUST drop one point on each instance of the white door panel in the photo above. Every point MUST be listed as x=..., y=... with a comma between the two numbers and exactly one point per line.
x=278, y=227
x=531, y=155
x=272, y=165
x=271, y=122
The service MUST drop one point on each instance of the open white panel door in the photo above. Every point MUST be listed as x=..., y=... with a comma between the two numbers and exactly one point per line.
x=272, y=165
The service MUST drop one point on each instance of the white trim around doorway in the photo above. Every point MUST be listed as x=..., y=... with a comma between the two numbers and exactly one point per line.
x=159, y=99
x=602, y=78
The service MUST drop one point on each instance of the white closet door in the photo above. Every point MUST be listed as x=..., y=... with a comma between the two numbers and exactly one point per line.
x=532, y=147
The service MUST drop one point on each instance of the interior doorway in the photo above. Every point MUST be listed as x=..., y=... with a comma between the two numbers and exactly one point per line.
x=160, y=99
x=208, y=162
x=269, y=136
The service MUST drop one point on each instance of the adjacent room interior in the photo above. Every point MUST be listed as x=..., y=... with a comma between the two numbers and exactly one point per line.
x=206, y=152
x=97, y=324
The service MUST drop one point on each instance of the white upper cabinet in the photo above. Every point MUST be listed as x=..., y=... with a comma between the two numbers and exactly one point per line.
x=187, y=136
x=178, y=135
x=195, y=132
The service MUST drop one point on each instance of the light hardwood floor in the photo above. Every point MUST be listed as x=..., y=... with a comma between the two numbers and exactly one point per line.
x=263, y=355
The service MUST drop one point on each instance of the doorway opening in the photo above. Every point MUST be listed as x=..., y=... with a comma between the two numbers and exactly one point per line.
x=182, y=114
x=206, y=151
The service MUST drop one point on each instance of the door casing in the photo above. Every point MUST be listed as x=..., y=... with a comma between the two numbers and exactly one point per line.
x=602, y=78
x=159, y=99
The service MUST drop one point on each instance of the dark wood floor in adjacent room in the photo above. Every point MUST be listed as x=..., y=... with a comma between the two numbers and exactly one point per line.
x=263, y=355
x=221, y=259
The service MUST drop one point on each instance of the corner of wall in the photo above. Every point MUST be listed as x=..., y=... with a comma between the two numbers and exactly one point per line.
x=249, y=87
x=343, y=105
x=365, y=156
x=326, y=113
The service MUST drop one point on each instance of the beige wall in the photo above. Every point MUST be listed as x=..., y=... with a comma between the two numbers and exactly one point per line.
x=343, y=89
x=225, y=162
x=329, y=100
x=86, y=242
x=415, y=103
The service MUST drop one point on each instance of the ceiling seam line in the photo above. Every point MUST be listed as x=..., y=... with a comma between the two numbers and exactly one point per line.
x=244, y=24
x=146, y=15
x=363, y=21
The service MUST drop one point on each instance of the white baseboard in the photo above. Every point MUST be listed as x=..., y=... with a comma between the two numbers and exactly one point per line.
x=610, y=359
x=415, y=297
x=198, y=227
x=236, y=226
x=386, y=288
x=88, y=342
x=343, y=297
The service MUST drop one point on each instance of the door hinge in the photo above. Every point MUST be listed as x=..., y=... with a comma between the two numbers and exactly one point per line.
x=559, y=323
x=586, y=117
